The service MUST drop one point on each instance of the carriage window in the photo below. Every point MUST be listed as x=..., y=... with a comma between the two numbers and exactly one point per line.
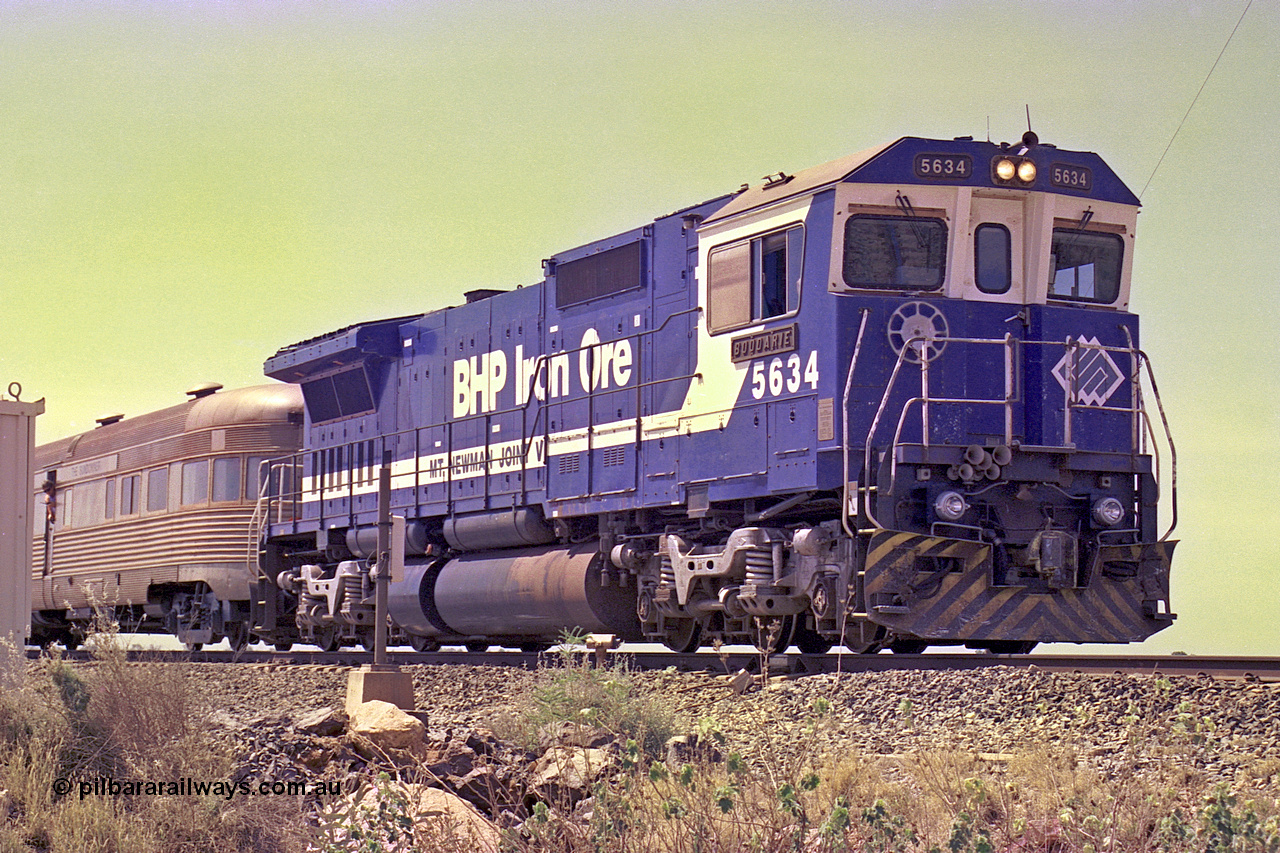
x=754, y=280
x=195, y=482
x=157, y=489
x=226, y=478
x=110, y=500
x=894, y=252
x=992, y=267
x=1085, y=265
x=129, y=488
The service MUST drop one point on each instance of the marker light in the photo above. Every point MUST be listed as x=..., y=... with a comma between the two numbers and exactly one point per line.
x=951, y=506
x=1005, y=169
x=1027, y=171
x=1108, y=512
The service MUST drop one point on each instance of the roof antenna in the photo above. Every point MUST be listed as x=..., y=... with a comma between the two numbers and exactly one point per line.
x=988, y=129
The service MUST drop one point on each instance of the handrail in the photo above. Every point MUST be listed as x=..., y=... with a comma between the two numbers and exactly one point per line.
x=1143, y=426
x=844, y=430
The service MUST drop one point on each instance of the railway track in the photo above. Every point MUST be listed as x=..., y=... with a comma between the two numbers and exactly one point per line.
x=1223, y=667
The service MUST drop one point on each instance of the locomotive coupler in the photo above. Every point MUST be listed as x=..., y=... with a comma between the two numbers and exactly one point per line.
x=1055, y=555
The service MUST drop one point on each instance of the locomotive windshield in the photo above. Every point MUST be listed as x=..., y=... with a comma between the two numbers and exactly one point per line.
x=894, y=252
x=1085, y=265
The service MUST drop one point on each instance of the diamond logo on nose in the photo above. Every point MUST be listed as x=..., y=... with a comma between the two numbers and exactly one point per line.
x=1096, y=375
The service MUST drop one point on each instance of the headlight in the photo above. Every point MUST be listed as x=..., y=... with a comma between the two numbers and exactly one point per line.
x=1108, y=512
x=951, y=506
x=1008, y=170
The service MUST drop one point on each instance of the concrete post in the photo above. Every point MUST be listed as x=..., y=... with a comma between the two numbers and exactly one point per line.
x=17, y=467
x=381, y=680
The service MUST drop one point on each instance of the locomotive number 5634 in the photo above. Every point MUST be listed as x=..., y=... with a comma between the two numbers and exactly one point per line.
x=775, y=375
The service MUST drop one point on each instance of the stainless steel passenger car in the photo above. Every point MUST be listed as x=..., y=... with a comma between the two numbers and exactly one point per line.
x=152, y=517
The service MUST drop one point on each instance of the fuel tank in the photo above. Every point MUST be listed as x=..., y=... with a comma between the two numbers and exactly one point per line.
x=530, y=593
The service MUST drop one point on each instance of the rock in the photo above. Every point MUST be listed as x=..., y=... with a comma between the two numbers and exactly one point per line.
x=686, y=749
x=316, y=758
x=445, y=812
x=452, y=760
x=571, y=767
x=482, y=742
x=325, y=722
x=570, y=733
x=387, y=727
x=484, y=789
x=434, y=813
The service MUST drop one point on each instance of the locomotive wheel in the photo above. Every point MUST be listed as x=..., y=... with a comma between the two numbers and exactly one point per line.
x=810, y=642
x=423, y=644
x=864, y=645
x=770, y=639
x=326, y=638
x=1010, y=647
x=238, y=635
x=908, y=646
x=194, y=647
x=283, y=646
x=476, y=646
x=681, y=635
x=534, y=647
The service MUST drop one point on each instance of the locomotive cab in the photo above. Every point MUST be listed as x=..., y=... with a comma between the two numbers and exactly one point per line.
x=991, y=424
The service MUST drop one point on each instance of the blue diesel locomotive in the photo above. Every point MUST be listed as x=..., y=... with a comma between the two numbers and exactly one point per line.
x=892, y=401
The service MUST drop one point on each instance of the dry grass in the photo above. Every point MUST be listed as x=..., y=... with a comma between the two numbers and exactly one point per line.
x=127, y=722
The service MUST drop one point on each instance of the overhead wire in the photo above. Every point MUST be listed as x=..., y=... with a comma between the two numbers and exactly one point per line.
x=1196, y=98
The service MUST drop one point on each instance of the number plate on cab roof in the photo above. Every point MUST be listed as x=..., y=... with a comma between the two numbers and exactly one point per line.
x=1071, y=177
x=943, y=166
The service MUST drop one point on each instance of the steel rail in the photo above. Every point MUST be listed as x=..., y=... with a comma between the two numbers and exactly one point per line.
x=1252, y=668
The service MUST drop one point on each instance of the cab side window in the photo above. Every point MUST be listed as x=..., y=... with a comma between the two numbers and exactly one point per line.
x=754, y=280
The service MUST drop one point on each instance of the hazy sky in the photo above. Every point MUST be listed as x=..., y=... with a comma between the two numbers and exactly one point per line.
x=185, y=187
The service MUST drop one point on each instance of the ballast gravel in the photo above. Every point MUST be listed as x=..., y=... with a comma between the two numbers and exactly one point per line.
x=1228, y=730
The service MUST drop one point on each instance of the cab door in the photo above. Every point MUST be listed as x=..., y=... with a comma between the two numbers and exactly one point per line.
x=998, y=269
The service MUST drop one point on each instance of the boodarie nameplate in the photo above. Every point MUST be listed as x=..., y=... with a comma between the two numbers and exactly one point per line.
x=760, y=344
